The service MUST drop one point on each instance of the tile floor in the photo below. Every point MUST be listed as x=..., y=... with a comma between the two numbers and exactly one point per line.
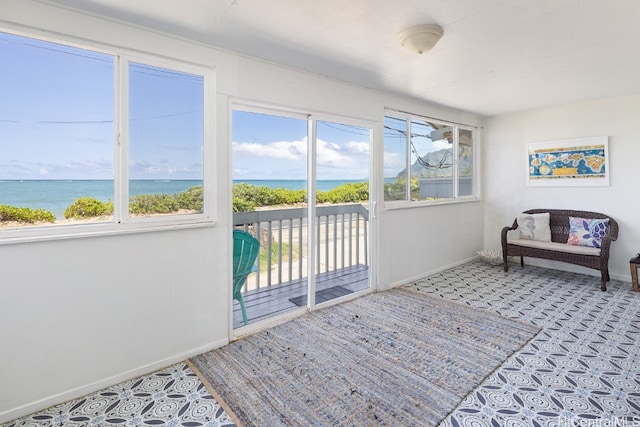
x=583, y=369
x=171, y=397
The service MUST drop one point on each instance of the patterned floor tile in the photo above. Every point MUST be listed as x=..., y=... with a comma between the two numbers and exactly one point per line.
x=171, y=397
x=582, y=369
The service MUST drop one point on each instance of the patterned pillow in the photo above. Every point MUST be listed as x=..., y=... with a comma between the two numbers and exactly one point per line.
x=587, y=232
x=534, y=226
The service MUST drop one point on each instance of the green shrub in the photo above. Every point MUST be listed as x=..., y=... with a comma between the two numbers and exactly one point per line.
x=249, y=193
x=283, y=196
x=395, y=191
x=144, y=204
x=248, y=197
x=322, y=196
x=243, y=190
x=267, y=196
x=191, y=199
x=25, y=215
x=242, y=205
x=88, y=207
x=275, y=250
x=349, y=193
x=398, y=190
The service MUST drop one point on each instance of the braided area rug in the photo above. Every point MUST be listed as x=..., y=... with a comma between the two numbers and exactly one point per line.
x=399, y=358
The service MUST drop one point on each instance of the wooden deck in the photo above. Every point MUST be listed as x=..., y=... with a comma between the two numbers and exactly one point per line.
x=265, y=302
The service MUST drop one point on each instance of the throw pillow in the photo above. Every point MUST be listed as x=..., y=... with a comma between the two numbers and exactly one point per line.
x=587, y=232
x=534, y=226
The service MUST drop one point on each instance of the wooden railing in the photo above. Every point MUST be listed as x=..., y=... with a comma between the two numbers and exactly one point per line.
x=341, y=240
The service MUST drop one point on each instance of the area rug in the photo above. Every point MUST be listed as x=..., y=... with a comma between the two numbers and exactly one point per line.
x=323, y=295
x=398, y=357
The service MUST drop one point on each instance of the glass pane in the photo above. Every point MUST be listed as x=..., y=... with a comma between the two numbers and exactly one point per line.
x=56, y=133
x=166, y=140
x=431, y=160
x=395, y=161
x=465, y=162
x=270, y=202
x=342, y=226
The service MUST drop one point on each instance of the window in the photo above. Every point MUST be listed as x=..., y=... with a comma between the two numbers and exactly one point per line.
x=166, y=134
x=91, y=137
x=427, y=160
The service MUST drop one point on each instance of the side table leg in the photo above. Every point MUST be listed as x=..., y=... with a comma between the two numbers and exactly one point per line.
x=634, y=278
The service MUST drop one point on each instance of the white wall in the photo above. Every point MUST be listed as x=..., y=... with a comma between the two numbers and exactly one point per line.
x=89, y=312
x=78, y=315
x=506, y=138
x=418, y=241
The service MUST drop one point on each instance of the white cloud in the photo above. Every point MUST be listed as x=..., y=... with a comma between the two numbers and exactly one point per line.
x=288, y=159
x=393, y=161
x=440, y=144
x=357, y=147
x=328, y=153
x=290, y=150
x=152, y=170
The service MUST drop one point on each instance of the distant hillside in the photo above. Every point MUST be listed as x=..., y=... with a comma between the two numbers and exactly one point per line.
x=441, y=164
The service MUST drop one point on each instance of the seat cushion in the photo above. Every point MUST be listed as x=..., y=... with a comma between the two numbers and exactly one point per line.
x=554, y=246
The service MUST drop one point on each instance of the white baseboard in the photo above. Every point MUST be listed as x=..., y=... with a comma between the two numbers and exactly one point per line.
x=75, y=393
x=563, y=266
x=429, y=273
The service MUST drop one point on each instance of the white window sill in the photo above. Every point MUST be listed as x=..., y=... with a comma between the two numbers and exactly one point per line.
x=77, y=231
x=405, y=204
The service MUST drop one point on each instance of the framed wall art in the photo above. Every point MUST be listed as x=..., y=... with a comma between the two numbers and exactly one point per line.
x=569, y=162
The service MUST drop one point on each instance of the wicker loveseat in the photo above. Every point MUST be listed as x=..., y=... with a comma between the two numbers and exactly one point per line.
x=558, y=249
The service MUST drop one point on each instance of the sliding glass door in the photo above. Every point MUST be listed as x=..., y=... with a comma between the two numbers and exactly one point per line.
x=301, y=187
x=342, y=210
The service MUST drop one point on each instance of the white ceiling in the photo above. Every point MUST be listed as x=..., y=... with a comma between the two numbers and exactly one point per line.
x=496, y=56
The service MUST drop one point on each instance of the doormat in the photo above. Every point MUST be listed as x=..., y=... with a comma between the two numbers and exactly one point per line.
x=322, y=296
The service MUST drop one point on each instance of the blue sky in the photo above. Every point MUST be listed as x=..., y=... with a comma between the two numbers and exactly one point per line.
x=57, y=116
x=57, y=122
x=49, y=118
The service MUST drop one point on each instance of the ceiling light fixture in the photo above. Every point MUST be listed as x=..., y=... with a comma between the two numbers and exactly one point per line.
x=420, y=38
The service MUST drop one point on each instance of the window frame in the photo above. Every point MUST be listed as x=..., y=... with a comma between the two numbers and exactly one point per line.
x=122, y=222
x=475, y=175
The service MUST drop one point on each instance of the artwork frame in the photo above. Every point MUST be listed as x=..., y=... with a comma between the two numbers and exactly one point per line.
x=579, y=162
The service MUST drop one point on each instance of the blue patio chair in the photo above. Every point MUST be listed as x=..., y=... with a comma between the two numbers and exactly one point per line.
x=245, y=251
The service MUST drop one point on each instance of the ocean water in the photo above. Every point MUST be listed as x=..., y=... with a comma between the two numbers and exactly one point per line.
x=56, y=195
